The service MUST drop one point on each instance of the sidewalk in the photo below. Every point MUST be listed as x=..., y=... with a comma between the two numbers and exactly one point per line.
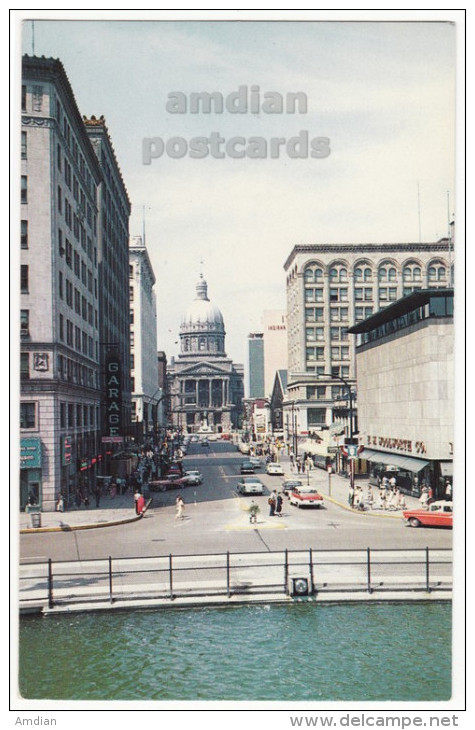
x=121, y=509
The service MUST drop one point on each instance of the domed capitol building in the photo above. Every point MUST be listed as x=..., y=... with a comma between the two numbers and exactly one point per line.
x=206, y=387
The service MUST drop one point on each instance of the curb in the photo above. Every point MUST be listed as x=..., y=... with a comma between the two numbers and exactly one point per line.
x=92, y=526
x=365, y=512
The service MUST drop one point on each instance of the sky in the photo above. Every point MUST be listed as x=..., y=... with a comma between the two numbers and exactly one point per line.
x=381, y=93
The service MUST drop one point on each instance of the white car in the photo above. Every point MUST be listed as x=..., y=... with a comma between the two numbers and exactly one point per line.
x=257, y=463
x=275, y=469
x=192, y=477
x=250, y=485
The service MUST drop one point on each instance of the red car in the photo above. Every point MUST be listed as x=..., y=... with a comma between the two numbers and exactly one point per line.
x=438, y=514
x=171, y=481
x=306, y=497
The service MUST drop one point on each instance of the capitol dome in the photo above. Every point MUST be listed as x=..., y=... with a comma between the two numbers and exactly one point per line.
x=202, y=325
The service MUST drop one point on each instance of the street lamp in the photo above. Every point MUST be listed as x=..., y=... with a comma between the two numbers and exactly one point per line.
x=350, y=398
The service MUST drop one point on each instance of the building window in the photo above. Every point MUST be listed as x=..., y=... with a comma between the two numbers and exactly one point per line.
x=24, y=189
x=37, y=98
x=316, y=392
x=62, y=415
x=61, y=328
x=24, y=234
x=24, y=279
x=23, y=98
x=412, y=272
x=27, y=415
x=24, y=366
x=25, y=322
x=131, y=293
x=24, y=149
x=316, y=416
x=313, y=274
x=363, y=273
x=338, y=274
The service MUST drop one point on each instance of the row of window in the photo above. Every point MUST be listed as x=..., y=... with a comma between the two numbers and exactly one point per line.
x=320, y=392
x=384, y=293
x=317, y=334
x=71, y=415
x=339, y=371
x=337, y=353
x=437, y=271
x=76, y=338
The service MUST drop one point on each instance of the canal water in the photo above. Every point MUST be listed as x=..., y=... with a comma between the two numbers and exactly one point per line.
x=304, y=651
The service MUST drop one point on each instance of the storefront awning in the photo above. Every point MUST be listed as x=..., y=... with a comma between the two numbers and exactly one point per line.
x=401, y=462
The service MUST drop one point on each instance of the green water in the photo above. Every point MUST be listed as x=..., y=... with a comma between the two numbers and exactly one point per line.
x=303, y=651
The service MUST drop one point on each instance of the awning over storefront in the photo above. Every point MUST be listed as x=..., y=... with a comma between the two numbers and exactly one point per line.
x=401, y=462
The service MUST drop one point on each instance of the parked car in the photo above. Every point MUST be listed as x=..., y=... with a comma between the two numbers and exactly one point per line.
x=247, y=467
x=438, y=514
x=193, y=477
x=275, y=469
x=290, y=484
x=306, y=497
x=171, y=481
x=250, y=485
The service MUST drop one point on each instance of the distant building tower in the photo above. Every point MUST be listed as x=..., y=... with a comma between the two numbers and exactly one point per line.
x=206, y=387
x=256, y=365
x=143, y=340
x=274, y=327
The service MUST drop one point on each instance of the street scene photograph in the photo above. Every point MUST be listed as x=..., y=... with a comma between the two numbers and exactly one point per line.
x=240, y=251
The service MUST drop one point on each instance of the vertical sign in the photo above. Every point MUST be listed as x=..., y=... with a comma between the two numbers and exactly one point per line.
x=113, y=396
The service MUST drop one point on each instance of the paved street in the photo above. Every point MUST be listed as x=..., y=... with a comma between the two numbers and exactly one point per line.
x=216, y=520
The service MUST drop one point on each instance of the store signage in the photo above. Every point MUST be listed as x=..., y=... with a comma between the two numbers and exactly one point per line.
x=112, y=440
x=406, y=445
x=113, y=396
x=30, y=453
x=66, y=450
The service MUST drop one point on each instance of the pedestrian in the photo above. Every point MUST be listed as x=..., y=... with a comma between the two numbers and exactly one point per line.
x=370, y=498
x=278, y=505
x=292, y=458
x=140, y=504
x=97, y=494
x=430, y=493
x=77, y=499
x=253, y=510
x=382, y=498
x=424, y=498
x=60, y=504
x=180, y=508
x=272, y=503
x=136, y=496
x=448, y=491
x=351, y=495
x=392, y=482
x=299, y=466
x=385, y=482
x=113, y=490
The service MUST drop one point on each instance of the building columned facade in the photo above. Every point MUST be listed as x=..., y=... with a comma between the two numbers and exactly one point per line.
x=329, y=288
x=206, y=388
x=405, y=359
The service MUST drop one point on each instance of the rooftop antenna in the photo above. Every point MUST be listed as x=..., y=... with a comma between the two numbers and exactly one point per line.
x=33, y=37
x=419, y=210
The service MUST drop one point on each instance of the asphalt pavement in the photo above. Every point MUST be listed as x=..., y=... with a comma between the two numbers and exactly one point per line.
x=121, y=509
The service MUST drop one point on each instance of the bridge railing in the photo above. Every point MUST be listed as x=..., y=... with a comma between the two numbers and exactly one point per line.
x=286, y=572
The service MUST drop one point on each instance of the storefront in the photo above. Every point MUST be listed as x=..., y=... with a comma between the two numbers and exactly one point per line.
x=30, y=473
x=410, y=473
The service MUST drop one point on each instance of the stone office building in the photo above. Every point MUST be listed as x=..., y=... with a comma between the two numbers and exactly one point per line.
x=405, y=359
x=206, y=387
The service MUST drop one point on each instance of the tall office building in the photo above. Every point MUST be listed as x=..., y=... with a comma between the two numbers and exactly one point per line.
x=143, y=340
x=60, y=398
x=256, y=365
x=329, y=288
x=113, y=281
x=74, y=291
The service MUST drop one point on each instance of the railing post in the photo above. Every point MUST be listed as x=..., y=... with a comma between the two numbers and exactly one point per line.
x=368, y=569
x=310, y=567
x=50, y=583
x=170, y=573
x=427, y=570
x=110, y=580
x=286, y=573
x=228, y=590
